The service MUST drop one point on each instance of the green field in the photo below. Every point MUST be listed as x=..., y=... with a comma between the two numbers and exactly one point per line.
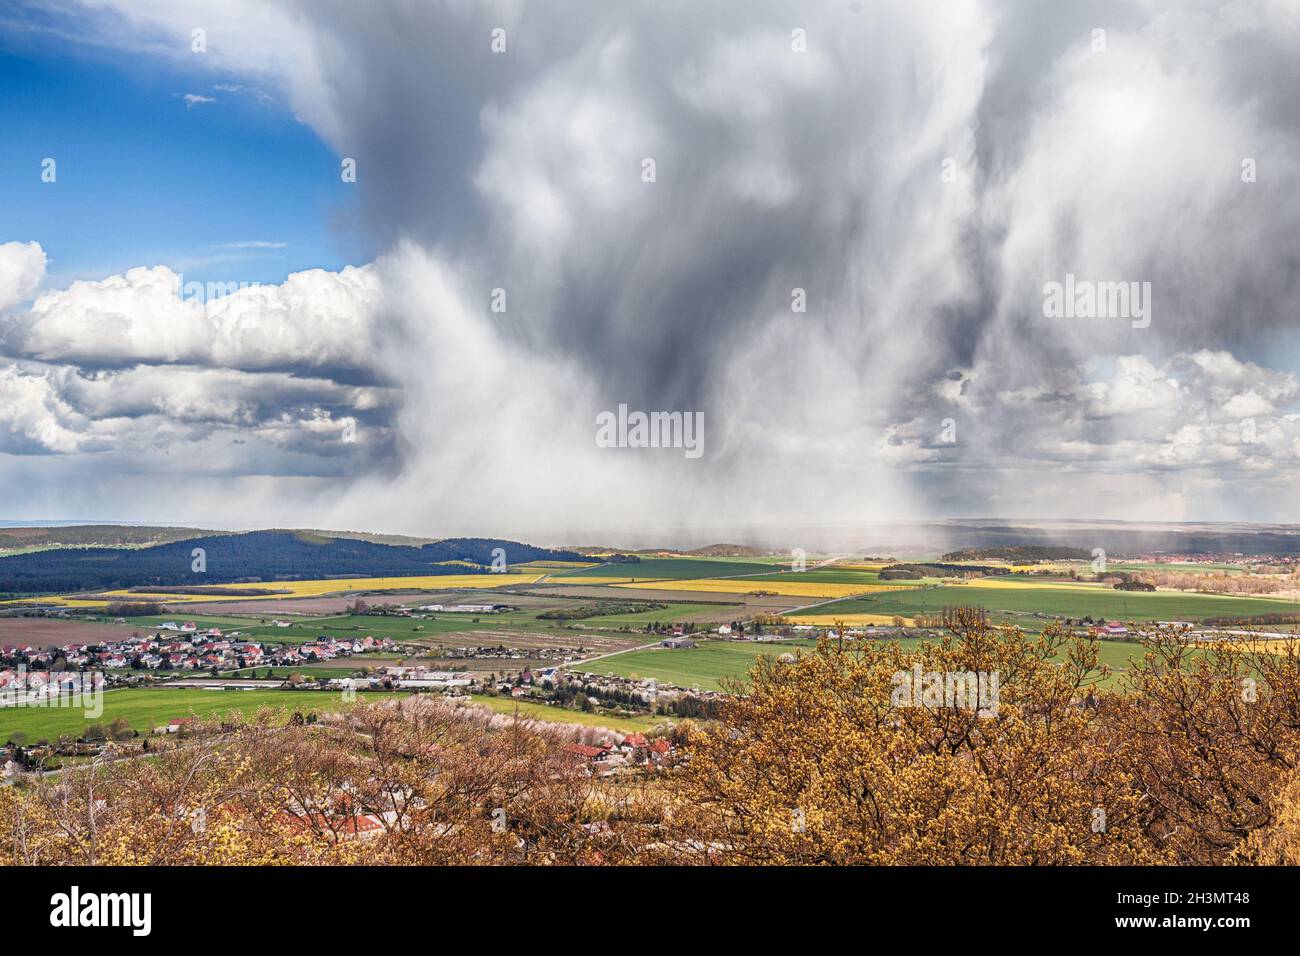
x=145, y=709
x=839, y=576
x=703, y=666
x=1117, y=655
x=309, y=671
x=771, y=559
x=1100, y=602
x=434, y=627
x=508, y=705
x=667, y=569
x=339, y=626
x=708, y=664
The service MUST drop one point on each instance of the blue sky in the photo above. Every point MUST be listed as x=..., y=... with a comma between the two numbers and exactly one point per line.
x=144, y=179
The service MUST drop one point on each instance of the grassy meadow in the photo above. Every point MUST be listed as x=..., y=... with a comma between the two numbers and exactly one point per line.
x=664, y=569
x=508, y=705
x=707, y=665
x=145, y=709
x=1064, y=599
x=704, y=666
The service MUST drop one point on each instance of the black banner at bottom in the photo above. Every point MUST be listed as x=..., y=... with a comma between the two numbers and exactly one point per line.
x=137, y=907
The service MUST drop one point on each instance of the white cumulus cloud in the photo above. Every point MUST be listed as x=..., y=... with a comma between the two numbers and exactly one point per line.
x=22, y=267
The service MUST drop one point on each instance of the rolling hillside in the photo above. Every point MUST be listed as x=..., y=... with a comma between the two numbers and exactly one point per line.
x=256, y=555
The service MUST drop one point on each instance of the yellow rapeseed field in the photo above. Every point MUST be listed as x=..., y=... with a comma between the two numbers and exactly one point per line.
x=434, y=582
x=1033, y=585
x=852, y=620
x=1264, y=645
x=317, y=588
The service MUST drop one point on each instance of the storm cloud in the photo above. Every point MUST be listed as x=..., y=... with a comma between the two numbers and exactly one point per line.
x=914, y=173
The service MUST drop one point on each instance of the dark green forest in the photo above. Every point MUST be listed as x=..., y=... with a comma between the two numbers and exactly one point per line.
x=258, y=556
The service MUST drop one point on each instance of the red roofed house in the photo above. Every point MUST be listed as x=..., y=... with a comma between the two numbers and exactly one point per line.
x=582, y=750
x=361, y=825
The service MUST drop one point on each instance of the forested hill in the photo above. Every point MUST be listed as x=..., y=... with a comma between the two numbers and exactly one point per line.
x=257, y=555
x=93, y=536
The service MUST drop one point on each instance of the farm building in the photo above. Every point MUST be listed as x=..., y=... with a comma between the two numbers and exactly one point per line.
x=677, y=642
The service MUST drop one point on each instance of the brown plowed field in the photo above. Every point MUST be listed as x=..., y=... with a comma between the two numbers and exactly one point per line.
x=46, y=632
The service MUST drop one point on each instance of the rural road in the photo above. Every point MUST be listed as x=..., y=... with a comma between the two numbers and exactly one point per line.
x=601, y=657
x=809, y=607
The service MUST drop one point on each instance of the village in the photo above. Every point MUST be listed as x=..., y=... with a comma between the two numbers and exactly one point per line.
x=184, y=646
x=175, y=656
